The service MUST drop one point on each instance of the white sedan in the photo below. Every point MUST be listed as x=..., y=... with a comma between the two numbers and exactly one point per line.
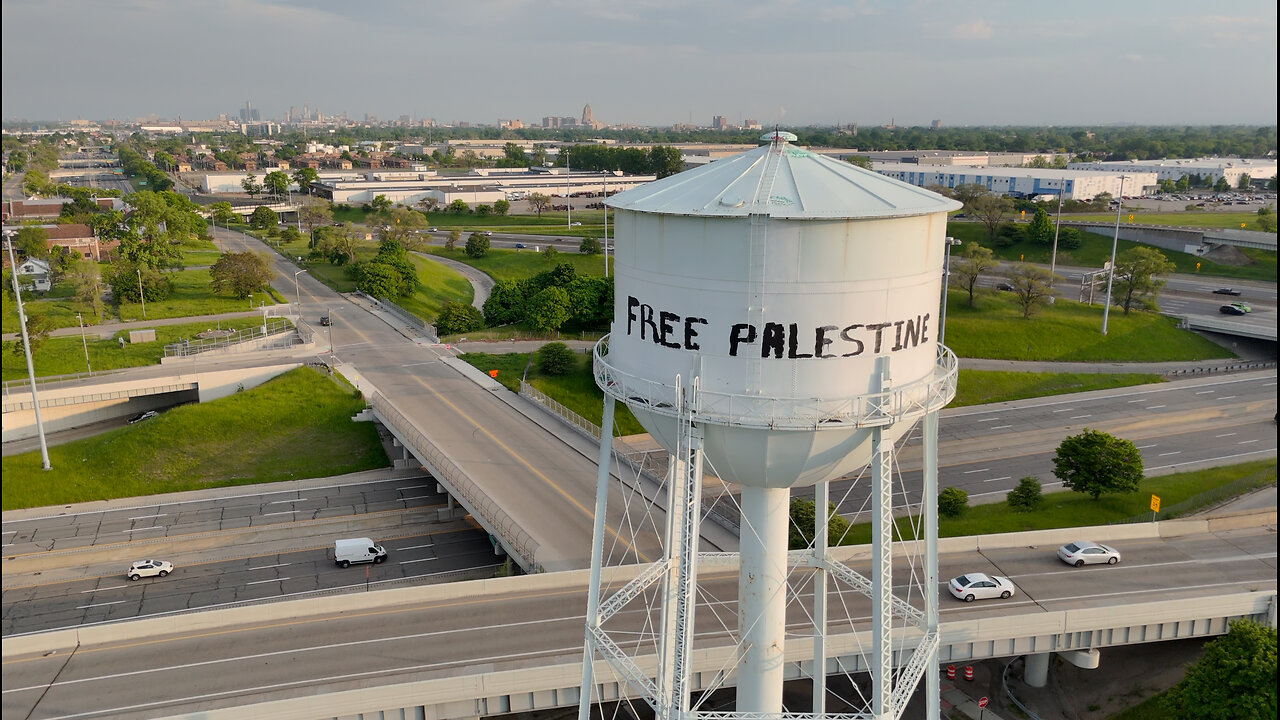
x=980, y=586
x=1083, y=552
x=149, y=568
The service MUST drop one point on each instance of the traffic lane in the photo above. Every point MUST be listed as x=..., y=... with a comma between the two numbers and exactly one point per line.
x=284, y=659
x=212, y=584
x=200, y=515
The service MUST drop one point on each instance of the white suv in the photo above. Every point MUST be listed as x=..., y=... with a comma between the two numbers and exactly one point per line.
x=149, y=568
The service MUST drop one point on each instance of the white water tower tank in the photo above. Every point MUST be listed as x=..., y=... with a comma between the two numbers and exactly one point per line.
x=779, y=278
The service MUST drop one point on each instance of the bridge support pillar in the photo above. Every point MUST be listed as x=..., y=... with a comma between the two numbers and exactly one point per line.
x=1035, y=671
x=1086, y=659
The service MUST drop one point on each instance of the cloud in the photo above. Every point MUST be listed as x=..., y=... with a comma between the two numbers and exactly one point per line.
x=976, y=30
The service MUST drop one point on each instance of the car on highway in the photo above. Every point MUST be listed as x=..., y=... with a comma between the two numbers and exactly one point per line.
x=324, y=320
x=521, y=246
x=1226, y=291
x=143, y=416
x=1231, y=310
x=1084, y=552
x=433, y=229
x=149, y=568
x=1242, y=306
x=1007, y=287
x=980, y=586
x=575, y=223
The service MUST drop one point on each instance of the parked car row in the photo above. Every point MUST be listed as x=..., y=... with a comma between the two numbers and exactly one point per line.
x=981, y=586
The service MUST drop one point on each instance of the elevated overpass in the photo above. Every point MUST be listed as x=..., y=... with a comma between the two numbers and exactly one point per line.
x=1227, y=326
x=467, y=650
x=1178, y=238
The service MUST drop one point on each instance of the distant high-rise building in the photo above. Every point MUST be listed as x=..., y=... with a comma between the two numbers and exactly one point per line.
x=936, y=124
x=751, y=124
x=720, y=122
x=403, y=121
x=306, y=111
x=587, y=119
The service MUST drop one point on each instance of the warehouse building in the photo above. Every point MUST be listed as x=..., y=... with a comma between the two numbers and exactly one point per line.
x=1037, y=183
x=1174, y=169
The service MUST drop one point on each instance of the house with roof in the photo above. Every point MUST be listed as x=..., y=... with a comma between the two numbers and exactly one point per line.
x=35, y=274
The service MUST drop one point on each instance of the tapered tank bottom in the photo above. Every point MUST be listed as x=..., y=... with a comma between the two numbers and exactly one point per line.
x=762, y=597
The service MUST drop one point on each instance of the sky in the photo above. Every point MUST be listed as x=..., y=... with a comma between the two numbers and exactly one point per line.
x=647, y=62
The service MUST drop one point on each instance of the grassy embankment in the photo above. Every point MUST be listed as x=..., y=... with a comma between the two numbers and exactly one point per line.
x=295, y=426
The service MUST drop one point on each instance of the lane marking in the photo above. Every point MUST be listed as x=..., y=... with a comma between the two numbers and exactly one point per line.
x=416, y=547
x=1006, y=477
x=410, y=562
x=153, y=527
x=1215, y=459
x=1246, y=442
x=970, y=472
x=1001, y=427
x=1175, y=452
x=1154, y=407
x=414, y=487
x=115, y=602
x=1063, y=410
x=146, y=517
x=1144, y=447
x=281, y=502
x=1206, y=392
x=416, y=497
x=285, y=512
x=259, y=582
x=1225, y=435
x=1228, y=397
x=264, y=567
x=1078, y=417
x=989, y=419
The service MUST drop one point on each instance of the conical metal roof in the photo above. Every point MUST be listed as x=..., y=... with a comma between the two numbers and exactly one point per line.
x=785, y=182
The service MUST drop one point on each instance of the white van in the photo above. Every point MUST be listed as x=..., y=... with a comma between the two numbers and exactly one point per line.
x=357, y=550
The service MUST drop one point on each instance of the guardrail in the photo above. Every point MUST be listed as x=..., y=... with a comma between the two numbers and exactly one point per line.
x=400, y=312
x=24, y=385
x=486, y=511
x=187, y=348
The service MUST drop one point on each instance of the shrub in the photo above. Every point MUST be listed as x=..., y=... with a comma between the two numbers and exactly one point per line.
x=589, y=246
x=1026, y=496
x=555, y=359
x=477, y=245
x=952, y=502
x=457, y=317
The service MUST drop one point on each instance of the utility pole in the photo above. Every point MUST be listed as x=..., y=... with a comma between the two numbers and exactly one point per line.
x=141, y=297
x=26, y=350
x=1111, y=271
x=85, y=343
x=1053, y=258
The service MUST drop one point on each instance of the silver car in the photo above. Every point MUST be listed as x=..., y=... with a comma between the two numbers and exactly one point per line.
x=980, y=586
x=1083, y=552
x=149, y=568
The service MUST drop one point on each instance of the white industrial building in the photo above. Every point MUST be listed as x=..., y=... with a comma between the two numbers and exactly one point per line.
x=478, y=186
x=1022, y=182
x=1175, y=168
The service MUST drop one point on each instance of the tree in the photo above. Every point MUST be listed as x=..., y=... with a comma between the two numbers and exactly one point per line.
x=123, y=277
x=549, y=309
x=555, y=359
x=968, y=192
x=1266, y=220
x=251, y=185
x=31, y=242
x=539, y=202
x=458, y=207
x=1032, y=286
x=429, y=203
x=804, y=519
x=378, y=280
x=477, y=245
x=403, y=226
x=1094, y=462
x=457, y=317
x=304, y=176
x=861, y=161
x=276, y=182
x=974, y=260
x=312, y=215
x=484, y=210
x=1244, y=181
x=501, y=207
x=86, y=279
x=380, y=203
x=39, y=326
x=549, y=253
x=222, y=214
x=1136, y=271
x=991, y=211
x=239, y=274
x=589, y=246
x=451, y=242
x=1040, y=229
x=262, y=218
x=952, y=502
x=1234, y=678
x=1026, y=497
x=665, y=160
x=1222, y=185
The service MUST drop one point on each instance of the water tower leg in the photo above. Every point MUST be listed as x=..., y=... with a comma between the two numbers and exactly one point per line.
x=820, y=524
x=597, y=551
x=762, y=598
x=929, y=509
x=684, y=510
x=881, y=662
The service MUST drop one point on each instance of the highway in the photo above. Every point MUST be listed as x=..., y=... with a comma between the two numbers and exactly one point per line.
x=318, y=652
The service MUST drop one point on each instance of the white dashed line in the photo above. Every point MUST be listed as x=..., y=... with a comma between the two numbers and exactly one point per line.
x=117, y=602
x=259, y=582
x=113, y=587
x=970, y=472
x=1175, y=452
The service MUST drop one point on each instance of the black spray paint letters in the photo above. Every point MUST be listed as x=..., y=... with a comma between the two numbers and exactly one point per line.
x=778, y=340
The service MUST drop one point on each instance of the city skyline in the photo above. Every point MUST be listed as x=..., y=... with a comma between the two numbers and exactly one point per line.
x=657, y=63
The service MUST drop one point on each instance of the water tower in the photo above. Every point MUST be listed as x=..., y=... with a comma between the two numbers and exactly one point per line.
x=776, y=319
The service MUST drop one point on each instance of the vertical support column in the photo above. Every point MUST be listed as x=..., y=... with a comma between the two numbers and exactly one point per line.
x=762, y=598
x=597, y=552
x=881, y=566
x=821, y=493
x=1035, y=669
x=929, y=508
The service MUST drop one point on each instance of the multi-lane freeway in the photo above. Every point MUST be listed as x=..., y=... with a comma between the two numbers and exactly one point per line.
x=494, y=630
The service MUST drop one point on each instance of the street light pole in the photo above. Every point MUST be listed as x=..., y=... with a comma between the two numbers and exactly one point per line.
x=946, y=285
x=1111, y=271
x=298, y=293
x=141, y=297
x=568, y=200
x=26, y=350
x=85, y=343
x=1053, y=258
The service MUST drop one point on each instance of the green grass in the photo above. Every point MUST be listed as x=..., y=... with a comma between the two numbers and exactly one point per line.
x=200, y=258
x=192, y=296
x=440, y=285
x=550, y=223
x=295, y=426
x=60, y=310
x=1095, y=250
x=576, y=391
x=504, y=265
x=65, y=355
x=1149, y=709
x=1188, y=219
x=1072, y=509
x=978, y=387
x=1066, y=331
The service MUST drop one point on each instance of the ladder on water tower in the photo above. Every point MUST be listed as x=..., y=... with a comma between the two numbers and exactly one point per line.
x=757, y=234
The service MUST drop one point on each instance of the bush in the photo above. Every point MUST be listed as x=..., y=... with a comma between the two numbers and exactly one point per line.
x=555, y=359
x=589, y=246
x=477, y=245
x=457, y=317
x=1026, y=496
x=803, y=519
x=952, y=502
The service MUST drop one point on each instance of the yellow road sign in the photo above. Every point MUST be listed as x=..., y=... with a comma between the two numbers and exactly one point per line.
x=1155, y=503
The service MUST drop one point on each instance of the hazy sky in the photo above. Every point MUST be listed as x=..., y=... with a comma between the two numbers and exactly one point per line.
x=648, y=62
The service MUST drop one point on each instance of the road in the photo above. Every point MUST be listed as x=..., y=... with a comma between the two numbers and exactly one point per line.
x=186, y=672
